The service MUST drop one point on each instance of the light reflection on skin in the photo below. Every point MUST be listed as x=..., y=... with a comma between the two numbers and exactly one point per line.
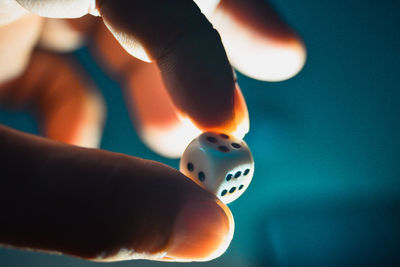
x=171, y=139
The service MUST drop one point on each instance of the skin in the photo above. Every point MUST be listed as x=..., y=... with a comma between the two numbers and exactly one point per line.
x=61, y=196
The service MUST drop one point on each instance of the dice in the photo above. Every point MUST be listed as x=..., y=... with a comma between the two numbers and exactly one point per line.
x=219, y=163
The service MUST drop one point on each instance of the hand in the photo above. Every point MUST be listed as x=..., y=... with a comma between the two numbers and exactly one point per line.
x=105, y=206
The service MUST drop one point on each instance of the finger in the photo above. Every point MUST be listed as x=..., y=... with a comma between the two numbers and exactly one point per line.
x=17, y=41
x=69, y=108
x=59, y=36
x=188, y=52
x=180, y=39
x=156, y=120
x=153, y=112
x=258, y=41
x=59, y=8
x=64, y=35
x=10, y=11
x=104, y=206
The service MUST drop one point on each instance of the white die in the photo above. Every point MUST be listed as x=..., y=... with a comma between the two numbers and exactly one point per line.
x=220, y=163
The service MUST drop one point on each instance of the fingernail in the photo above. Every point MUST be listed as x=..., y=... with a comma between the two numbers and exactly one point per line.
x=203, y=231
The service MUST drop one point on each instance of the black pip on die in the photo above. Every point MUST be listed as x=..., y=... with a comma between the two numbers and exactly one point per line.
x=220, y=163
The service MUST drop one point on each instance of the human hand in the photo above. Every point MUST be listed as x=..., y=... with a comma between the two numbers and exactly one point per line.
x=88, y=199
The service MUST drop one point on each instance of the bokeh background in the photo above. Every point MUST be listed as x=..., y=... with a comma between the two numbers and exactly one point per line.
x=326, y=144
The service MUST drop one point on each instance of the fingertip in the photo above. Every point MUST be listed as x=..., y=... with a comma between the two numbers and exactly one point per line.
x=242, y=122
x=267, y=60
x=236, y=125
x=258, y=42
x=199, y=79
x=167, y=131
x=202, y=232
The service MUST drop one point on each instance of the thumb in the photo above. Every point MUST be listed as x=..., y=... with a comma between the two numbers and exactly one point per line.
x=104, y=206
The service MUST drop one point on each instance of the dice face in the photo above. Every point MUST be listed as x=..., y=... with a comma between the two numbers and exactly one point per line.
x=220, y=163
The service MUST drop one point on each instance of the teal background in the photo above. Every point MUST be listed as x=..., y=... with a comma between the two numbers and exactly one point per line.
x=326, y=146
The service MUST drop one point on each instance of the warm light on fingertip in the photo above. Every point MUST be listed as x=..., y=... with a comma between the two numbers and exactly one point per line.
x=208, y=238
x=172, y=141
x=241, y=130
x=222, y=247
x=228, y=238
x=242, y=122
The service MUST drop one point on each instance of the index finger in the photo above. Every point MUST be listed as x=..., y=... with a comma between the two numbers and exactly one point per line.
x=188, y=52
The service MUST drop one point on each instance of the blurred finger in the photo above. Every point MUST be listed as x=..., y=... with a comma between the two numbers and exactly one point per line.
x=10, y=11
x=69, y=108
x=258, y=41
x=17, y=39
x=60, y=8
x=64, y=35
x=104, y=206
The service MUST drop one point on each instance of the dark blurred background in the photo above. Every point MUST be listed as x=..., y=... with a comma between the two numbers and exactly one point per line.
x=326, y=145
